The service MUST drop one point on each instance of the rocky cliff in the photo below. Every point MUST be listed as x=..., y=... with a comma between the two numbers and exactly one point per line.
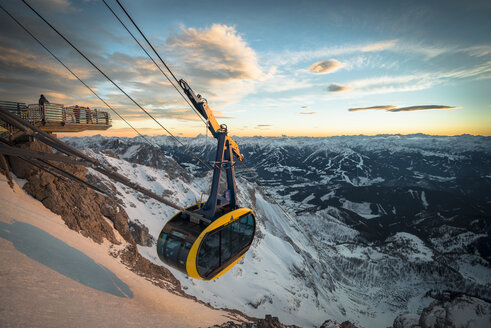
x=82, y=209
x=94, y=215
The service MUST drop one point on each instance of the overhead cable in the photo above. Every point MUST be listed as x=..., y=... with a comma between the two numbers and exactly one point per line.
x=73, y=73
x=114, y=83
x=81, y=81
x=251, y=173
x=148, y=42
x=151, y=58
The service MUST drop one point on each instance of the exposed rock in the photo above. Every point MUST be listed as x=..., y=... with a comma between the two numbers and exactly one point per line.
x=407, y=320
x=268, y=322
x=81, y=208
x=463, y=311
x=334, y=324
x=119, y=218
x=145, y=155
x=110, y=153
x=108, y=188
x=449, y=310
x=85, y=211
x=158, y=275
x=140, y=233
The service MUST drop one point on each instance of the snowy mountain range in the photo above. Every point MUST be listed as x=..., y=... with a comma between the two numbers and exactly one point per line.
x=376, y=225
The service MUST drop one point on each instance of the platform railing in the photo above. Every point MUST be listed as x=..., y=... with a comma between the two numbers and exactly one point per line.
x=49, y=114
x=57, y=113
x=13, y=107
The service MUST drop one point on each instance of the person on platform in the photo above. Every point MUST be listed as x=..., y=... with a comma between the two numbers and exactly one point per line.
x=88, y=114
x=76, y=111
x=43, y=100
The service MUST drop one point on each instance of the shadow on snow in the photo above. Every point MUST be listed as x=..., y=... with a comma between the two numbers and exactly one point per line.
x=64, y=259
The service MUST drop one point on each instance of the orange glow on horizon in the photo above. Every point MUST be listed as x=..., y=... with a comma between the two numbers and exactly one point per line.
x=128, y=132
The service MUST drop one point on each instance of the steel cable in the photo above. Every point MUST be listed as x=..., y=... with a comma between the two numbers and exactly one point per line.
x=114, y=83
x=151, y=58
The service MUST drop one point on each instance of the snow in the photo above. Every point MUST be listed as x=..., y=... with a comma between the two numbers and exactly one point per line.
x=328, y=196
x=413, y=247
x=463, y=311
x=308, y=198
x=261, y=283
x=362, y=209
x=423, y=199
x=52, y=276
x=473, y=313
x=315, y=268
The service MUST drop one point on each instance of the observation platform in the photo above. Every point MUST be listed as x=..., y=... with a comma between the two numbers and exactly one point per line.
x=57, y=118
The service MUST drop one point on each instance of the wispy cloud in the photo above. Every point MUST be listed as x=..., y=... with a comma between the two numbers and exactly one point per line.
x=283, y=81
x=12, y=60
x=379, y=46
x=381, y=107
x=295, y=57
x=57, y=6
x=424, y=107
x=336, y=87
x=395, y=109
x=263, y=126
x=308, y=113
x=479, y=51
x=305, y=107
x=418, y=80
x=326, y=66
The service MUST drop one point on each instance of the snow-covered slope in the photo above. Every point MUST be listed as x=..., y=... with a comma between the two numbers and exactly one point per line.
x=379, y=221
x=51, y=276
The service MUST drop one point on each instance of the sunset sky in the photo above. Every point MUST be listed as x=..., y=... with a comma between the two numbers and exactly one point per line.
x=297, y=68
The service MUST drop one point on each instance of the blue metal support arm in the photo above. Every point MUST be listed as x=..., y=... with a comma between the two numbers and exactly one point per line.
x=227, y=148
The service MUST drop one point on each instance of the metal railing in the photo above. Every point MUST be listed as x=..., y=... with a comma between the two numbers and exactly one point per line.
x=13, y=107
x=56, y=113
x=84, y=115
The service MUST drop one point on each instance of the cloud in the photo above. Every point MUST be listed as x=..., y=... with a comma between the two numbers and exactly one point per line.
x=57, y=6
x=281, y=82
x=379, y=46
x=335, y=87
x=395, y=109
x=418, y=80
x=478, y=51
x=383, y=107
x=424, y=107
x=305, y=107
x=308, y=113
x=263, y=126
x=217, y=61
x=185, y=114
x=326, y=66
x=12, y=61
x=297, y=56
x=219, y=53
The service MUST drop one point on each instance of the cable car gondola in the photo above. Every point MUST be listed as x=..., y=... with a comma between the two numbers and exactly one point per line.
x=209, y=238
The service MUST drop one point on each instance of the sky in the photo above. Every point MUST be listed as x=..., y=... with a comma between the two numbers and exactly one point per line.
x=267, y=68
